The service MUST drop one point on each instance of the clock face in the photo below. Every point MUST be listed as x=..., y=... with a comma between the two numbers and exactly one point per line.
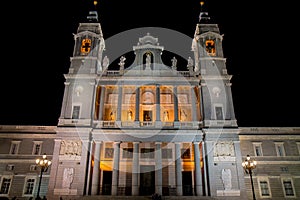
x=86, y=46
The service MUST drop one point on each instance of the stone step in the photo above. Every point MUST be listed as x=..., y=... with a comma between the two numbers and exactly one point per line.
x=108, y=197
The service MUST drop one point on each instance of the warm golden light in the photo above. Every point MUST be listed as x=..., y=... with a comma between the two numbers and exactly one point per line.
x=201, y=3
x=95, y=3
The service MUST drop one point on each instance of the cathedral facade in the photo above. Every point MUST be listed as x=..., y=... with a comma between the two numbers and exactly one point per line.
x=149, y=128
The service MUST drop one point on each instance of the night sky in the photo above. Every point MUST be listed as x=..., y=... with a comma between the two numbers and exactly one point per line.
x=259, y=45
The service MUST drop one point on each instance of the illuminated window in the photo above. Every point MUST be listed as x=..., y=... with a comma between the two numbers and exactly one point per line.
x=86, y=46
x=210, y=47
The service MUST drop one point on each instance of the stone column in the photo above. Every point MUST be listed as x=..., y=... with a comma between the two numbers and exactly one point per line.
x=101, y=108
x=205, y=192
x=175, y=104
x=194, y=103
x=115, y=174
x=198, y=178
x=178, y=169
x=158, y=168
x=119, y=109
x=135, y=169
x=137, y=104
x=158, y=103
x=96, y=170
x=65, y=100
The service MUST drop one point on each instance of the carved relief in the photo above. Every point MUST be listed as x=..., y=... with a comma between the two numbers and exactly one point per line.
x=224, y=148
x=68, y=177
x=226, y=179
x=70, y=148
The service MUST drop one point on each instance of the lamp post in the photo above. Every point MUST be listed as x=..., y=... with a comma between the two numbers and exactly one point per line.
x=249, y=164
x=43, y=163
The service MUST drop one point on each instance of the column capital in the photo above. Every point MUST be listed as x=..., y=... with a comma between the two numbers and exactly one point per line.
x=158, y=143
x=136, y=142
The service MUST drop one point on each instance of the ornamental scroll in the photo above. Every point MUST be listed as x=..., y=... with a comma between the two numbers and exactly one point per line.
x=70, y=147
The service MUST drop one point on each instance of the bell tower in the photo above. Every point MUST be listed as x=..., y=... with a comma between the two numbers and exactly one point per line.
x=210, y=65
x=77, y=107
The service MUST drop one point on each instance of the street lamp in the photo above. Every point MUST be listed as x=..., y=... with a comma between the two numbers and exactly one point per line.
x=249, y=164
x=43, y=163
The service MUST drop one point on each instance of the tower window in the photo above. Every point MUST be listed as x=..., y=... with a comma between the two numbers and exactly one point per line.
x=219, y=113
x=86, y=46
x=76, y=112
x=210, y=47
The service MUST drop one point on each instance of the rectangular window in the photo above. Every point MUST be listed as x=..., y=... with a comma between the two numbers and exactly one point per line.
x=14, y=147
x=147, y=153
x=37, y=146
x=264, y=188
x=127, y=152
x=166, y=153
x=29, y=186
x=32, y=168
x=10, y=167
x=219, y=113
x=279, y=149
x=5, y=185
x=109, y=153
x=257, y=149
x=76, y=112
x=288, y=188
x=185, y=154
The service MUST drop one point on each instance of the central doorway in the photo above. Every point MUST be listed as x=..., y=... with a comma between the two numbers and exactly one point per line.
x=147, y=180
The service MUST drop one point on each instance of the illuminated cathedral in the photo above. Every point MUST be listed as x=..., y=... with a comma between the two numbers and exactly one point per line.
x=148, y=127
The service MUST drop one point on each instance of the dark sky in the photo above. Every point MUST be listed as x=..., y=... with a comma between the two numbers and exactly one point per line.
x=259, y=45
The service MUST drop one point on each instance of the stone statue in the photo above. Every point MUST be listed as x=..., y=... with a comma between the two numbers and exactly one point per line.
x=166, y=115
x=122, y=62
x=190, y=64
x=68, y=177
x=105, y=62
x=148, y=60
x=174, y=63
x=226, y=179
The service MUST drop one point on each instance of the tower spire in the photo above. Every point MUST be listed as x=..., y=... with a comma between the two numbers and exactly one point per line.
x=93, y=15
x=203, y=16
